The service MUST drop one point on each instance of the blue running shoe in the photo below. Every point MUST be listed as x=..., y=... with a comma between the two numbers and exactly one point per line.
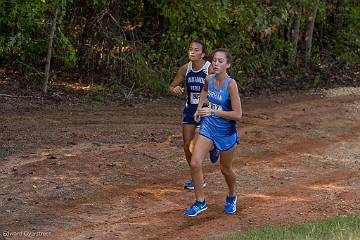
x=230, y=205
x=196, y=208
x=189, y=185
x=214, y=155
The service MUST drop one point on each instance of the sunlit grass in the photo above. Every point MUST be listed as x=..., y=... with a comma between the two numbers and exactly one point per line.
x=340, y=228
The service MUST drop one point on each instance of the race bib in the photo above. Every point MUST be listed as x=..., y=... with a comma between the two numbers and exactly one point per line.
x=194, y=98
x=215, y=107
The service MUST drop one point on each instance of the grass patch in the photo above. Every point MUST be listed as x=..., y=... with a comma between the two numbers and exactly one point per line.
x=339, y=228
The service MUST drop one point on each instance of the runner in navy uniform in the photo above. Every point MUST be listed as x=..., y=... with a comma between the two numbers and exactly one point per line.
x=193, y=74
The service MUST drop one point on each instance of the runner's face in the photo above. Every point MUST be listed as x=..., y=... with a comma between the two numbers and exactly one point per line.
x=195, y=52
x=219, y=62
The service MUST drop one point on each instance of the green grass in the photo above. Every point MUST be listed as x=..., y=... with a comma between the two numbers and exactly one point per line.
x=339, y=228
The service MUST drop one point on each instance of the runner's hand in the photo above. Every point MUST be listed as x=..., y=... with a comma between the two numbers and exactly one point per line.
x=204, y=112
x=177, y=91
x=197, y=117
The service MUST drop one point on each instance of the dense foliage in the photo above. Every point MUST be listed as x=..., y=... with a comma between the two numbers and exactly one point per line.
x=137, y=43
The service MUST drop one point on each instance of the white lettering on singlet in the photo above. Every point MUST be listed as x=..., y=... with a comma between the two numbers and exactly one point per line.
x=195, y=88
x=215, y=95
x=196, y=80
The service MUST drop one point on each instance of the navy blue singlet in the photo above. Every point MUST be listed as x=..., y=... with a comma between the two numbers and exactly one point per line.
x=194, y=83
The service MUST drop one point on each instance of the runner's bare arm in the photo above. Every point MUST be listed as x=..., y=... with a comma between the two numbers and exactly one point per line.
x=175, y=87
x=203, y=95
x=203, y=98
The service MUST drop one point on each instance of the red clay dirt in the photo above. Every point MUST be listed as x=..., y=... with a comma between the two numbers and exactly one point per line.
x=116, y=171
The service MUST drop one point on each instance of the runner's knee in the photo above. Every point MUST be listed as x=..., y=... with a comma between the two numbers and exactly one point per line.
x=187, y=145
x=195, y=164
x=226, y=171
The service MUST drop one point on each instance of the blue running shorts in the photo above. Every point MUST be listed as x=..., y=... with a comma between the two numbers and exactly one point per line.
x=189, y=117
x=223, y=143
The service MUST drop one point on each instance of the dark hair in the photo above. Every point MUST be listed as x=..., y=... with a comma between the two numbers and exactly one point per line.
x=224, y=50
x=228, y=56
x=203, y=47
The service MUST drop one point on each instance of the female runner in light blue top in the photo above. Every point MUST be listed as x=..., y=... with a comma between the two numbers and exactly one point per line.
x=217, y=129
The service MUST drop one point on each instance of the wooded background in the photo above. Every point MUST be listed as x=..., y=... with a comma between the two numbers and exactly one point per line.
x=139, y=44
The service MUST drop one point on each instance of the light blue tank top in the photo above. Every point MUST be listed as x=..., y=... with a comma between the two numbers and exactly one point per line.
x=219, y=99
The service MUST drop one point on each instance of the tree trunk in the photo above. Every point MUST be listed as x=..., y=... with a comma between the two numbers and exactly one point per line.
x=50, y=46
x=295, y=33
x=296, y=28
x=310, y=31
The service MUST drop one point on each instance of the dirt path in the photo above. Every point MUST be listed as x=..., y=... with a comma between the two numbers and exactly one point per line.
x=117, y=172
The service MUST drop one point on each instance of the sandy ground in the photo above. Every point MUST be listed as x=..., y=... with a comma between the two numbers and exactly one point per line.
x=116, y=171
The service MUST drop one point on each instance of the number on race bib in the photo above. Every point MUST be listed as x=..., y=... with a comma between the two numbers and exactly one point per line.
x=215, y=107
x=194, y=98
